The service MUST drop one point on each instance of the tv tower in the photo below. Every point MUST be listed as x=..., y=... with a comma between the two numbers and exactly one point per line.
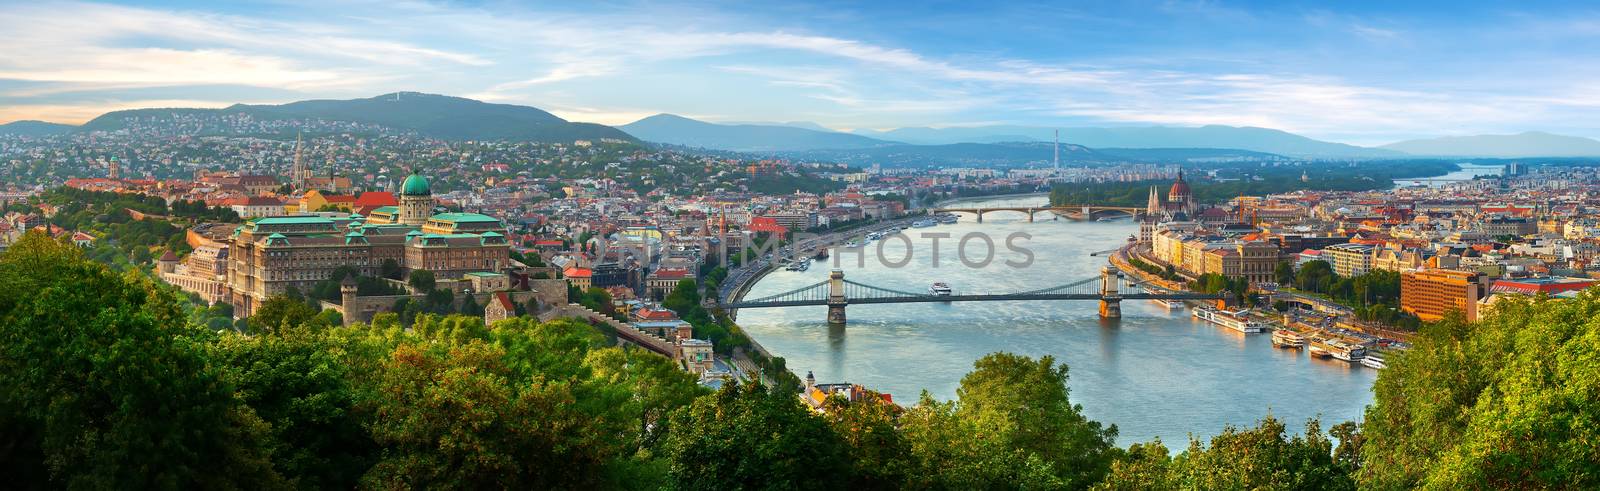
x=1057, y=159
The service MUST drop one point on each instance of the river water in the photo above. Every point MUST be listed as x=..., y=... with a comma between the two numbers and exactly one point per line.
x=1154, y=373
x=1465, y=173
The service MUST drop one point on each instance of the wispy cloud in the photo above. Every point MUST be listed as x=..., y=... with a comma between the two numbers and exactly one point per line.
x=1323, y=72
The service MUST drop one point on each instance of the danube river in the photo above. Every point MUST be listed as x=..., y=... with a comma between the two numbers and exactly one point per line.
x=1154, y=373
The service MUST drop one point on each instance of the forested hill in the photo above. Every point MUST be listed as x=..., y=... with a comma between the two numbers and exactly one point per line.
x=438, y=116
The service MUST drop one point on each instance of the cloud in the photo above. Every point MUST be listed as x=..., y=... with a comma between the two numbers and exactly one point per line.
x=615, y=65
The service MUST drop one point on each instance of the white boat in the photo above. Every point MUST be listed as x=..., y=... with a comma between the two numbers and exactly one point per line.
x=1169, y=304
x=801, y=265
x=924, y=223
x=946, y=218
x=941, y=289
x=1237, y=320
x=1339, y=349
x=1374, y=361
x=1286, y=338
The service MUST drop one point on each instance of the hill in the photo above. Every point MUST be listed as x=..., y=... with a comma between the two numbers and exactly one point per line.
x=961, y=154
x=34, y=128
x=1212, y=136
x=1527, y=144
x=678, y=130
x=438, y=116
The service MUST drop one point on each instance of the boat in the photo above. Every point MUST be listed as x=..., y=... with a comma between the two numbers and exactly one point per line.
x=1169, y=304
x=1236, y=320
x=1374, y=361
x=924, y=223
x=941, y=289
x=1319, y=352
x=821, y=255
x=946, y=218
x=801, y=265
x=1339, y=349
x=1287, y=338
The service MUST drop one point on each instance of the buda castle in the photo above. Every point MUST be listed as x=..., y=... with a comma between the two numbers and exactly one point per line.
x=269, y=255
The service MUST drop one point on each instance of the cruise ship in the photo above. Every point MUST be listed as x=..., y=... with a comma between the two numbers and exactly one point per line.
x=924, y=223
x=1338, y=349
x=941, y=289
x=1238, y=320
x=800, y=265
x=1374, y=361
x=1287, y=338
x=946, y=218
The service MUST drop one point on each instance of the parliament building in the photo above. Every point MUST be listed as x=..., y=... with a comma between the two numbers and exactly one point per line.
x=272, y=254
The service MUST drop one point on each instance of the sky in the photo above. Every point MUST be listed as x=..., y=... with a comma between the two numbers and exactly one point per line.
x=1349, y=71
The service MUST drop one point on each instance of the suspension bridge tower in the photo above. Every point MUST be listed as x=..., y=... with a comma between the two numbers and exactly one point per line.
x=1110, y=298
x=836, y=298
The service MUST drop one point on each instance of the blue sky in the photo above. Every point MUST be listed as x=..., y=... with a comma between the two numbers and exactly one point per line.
x=1357, y=72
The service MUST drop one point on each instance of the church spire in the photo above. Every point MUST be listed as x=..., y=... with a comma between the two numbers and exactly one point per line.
x=1154, y=206
x=297, y=174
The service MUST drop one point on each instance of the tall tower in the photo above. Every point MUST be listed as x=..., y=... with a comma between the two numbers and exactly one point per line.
x=112, y=171
x=1057, y=159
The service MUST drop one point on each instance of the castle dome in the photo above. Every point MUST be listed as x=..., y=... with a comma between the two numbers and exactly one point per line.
x=415, y=185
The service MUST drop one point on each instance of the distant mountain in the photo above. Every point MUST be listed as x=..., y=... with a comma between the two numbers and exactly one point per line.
x=961, y=154
x=1528, y=144
x=964, y=134
x=1188, y=154
x=438, y=116
x=792, y=124
x=1212, y=136
x=678, y=130
x=34, y=128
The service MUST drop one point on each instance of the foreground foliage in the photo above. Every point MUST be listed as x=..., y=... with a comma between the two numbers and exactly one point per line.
x=105, y=383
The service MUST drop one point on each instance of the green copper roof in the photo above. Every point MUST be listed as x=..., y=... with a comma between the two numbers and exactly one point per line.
x=296, y=220
x=386, y=210
x=415, y=185
x=465, y=217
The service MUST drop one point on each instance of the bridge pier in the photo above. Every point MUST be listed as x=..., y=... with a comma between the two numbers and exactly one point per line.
x=980, y=215
x=836, y=298
x=1030, y=215
x=1110, y=298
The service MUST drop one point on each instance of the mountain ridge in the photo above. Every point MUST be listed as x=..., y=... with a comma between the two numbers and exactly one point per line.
x=439, y=116
x=1524, y=144
x=33, y=127
x=678, y=130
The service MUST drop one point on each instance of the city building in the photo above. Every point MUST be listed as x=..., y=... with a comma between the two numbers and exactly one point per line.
x=1348, y=260
x=1431, y=294
x=268, y=256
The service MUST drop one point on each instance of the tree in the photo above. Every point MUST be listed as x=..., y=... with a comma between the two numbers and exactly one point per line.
x=421, y=280
x=103, y=385
x=281, y=312
x=390, y=269
x=1284, y=273
x=868, y=427
x=748, y=437
x=1263, y=457
x=1507, y=402
x=293, y=380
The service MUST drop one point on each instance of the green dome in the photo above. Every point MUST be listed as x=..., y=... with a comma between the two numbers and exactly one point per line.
x=415, y=185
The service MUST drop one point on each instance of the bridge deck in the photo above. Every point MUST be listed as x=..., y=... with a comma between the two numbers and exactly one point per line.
x=977, y=298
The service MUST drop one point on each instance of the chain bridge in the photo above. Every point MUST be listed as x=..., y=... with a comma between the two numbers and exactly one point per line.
x=1110, y=288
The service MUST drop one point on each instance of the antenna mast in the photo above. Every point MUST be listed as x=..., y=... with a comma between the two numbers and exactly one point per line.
x=1057, y=159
